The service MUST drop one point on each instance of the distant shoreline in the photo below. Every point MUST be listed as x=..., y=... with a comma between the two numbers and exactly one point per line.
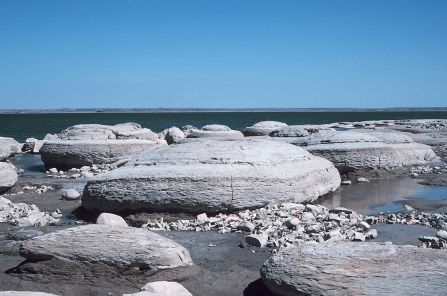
x=199, y=110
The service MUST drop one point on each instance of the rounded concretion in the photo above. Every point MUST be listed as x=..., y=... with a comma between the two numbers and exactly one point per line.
x=212, y=176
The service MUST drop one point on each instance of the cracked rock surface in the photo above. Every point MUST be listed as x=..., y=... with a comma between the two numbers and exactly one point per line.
x=356, y=269
x=212, y=176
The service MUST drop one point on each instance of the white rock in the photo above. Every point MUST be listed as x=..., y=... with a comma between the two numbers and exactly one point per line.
x=442, y=234
x=70, y=194
x=111, y=219
x=8, y=176
x=362, y=180
x=164, y=288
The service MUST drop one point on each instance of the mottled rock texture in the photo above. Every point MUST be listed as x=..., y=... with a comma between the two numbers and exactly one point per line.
x=8, y=176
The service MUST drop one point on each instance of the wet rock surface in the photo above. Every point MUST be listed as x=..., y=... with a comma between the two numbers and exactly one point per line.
x=356, y=269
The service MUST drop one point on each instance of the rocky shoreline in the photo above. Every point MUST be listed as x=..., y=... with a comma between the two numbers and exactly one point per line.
x=254, y=193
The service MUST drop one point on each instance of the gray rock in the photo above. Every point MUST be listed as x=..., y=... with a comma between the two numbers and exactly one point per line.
x=20, y=234
x=88, y=144
x=122, y=247
x=356, y=269
x=8, y=176
x=257, y=240
x=215, y=131
x=174, y=135
x=164, y=288
x=263, y=128
x=8, y=147
x=361, y=152
x=77, y=153
x=362, y=180
x=111, y=220
x=346, y=182
x=70, y=194
x=370, y=234
x=290, y=131
x=212, y=176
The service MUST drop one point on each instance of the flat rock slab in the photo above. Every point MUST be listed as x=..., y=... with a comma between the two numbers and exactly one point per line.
x=121, y=247
x=356, y=269
x=77, y=153
x=361, y=152
x=212, y=176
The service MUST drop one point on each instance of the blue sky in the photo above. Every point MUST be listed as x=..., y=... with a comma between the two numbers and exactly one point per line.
x=223, y=53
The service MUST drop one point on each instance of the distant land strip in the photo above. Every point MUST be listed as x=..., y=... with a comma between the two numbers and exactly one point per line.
x=198, y=110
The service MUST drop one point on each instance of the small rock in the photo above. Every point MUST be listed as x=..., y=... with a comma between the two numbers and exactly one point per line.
x=202, y=218
x=370, y=234
x=347, y=182
x=257, y=240
x=246, y=227
x=340, y=210
x=359, y=237
x=53, y=171
x=292, y=223
x=362, y=180
x=111, y=219
x=70, y=194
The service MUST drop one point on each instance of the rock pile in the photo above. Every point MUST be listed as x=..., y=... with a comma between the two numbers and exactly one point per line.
x=282, y=225
x=22, y=215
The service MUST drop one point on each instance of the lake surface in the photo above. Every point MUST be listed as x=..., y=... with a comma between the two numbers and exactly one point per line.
x=22, y=126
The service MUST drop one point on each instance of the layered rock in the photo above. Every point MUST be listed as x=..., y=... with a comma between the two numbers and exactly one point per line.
x=212, y=176
x=263, y=128
x=8, y=176
x=215, y=131
x=87, y=144
x=120, y=247
x=356, y=269
x=8, y=147
x=362, y=152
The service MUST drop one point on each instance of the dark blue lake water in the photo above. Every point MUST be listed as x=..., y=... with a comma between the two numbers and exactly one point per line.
x=22, y=126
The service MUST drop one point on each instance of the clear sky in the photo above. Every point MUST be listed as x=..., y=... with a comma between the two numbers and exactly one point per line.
x=222, y=53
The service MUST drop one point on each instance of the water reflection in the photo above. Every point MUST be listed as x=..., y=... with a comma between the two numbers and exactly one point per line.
x=388, y=195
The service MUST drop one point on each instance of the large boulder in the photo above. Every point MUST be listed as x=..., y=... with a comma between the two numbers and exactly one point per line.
x=88, y=144
x=8, y=147
x=356, y=269
x=120, y=247
x=107, y=132
x=215, y=131
x=362, y=152
x=173, y=135
x=8, y=176
x=212, y=176
x=263, y=128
